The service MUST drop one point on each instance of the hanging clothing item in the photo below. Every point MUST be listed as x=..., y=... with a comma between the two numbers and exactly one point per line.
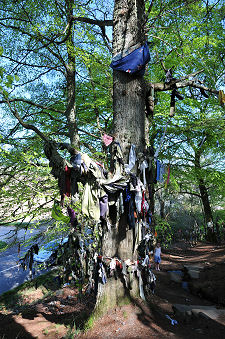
x=169, y=75
x=158, y=165
x=133, y=181
x=120, y=205
x=64, y=180
x=58, y=215
x=114, y=184
x=74, y=178
x=149, y=217
x=117, y=157
x=90, y=203
x=107, y=139
x=144, y=205
x=141, y=289
x=151, y=280
x=133, y=62
x=103, y=204
x=102, y=274
x=146, y=261
x=132, y=159
x=129, y=208
x=68, y=179
x=143, y=167
x=172, y=104
x=130, y=216
x=72, y=215
x=75, y=161
x=138, y=195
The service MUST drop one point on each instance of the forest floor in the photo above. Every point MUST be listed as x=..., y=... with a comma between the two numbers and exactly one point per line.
x=34, y=314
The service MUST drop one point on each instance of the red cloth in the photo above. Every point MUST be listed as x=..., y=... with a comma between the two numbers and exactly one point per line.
x=68, y=180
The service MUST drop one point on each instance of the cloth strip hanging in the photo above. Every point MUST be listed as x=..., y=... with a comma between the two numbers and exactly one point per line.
x=132, y=159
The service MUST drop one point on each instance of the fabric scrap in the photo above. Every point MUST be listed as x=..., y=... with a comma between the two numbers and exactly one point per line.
x=134, y=62
x=107, y=139
x=103, y=204
x=132, y=159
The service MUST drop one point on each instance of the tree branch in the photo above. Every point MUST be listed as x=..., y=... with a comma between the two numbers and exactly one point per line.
x=191, y=193
x=100, y=23
x=24, y=124
x=7, y=101
x=181, y=83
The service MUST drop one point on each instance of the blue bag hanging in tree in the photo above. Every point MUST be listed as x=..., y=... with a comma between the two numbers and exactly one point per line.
x=133, y=62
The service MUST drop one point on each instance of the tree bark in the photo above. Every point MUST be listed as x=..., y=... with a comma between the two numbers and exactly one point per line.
x=129, y=128
x=128, y=107
x=71, y=82
x=128, y=90
x=204, y=196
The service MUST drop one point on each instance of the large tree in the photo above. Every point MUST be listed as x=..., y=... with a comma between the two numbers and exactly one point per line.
x=50, y=34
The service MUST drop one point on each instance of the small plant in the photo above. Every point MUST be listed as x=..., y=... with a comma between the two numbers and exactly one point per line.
x=73, y=331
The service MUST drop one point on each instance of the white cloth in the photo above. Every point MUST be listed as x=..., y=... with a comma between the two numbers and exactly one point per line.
x=132, y=159
x=143, y=166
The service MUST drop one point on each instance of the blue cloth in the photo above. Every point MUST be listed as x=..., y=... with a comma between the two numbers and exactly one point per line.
x=134, y=62
x=158, y=166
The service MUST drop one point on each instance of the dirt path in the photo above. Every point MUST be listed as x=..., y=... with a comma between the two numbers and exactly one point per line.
x=48, y=318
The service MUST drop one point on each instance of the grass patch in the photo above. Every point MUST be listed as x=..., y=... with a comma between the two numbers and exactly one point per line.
x=89, y=323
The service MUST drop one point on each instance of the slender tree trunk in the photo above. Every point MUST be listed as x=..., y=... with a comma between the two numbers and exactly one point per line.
x=204, y=196
x=205, y=201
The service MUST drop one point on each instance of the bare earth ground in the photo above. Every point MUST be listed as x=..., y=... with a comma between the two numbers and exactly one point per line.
x=49, y=317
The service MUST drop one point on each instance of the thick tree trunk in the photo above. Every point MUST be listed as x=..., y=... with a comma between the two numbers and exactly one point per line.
x=128, y=90
x=128, y=106
x=129, y=128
